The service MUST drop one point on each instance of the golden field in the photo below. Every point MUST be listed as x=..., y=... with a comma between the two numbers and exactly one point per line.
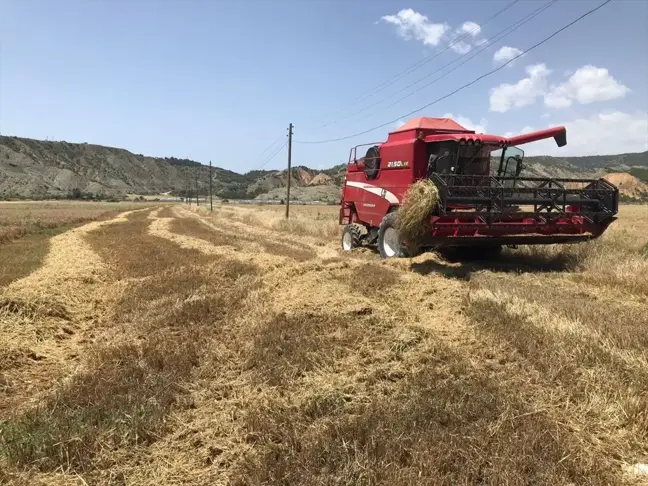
x=168, y=345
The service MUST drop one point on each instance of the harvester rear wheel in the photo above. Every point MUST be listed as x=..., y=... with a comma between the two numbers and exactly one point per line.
x=389, y=240
x=352, y=237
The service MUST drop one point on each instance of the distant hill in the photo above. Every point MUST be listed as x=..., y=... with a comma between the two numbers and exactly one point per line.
x=594, y=163
x=37, y=169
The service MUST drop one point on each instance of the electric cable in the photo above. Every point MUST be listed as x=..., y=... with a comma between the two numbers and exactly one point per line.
x=498, y=37
x=417, y=65
x=461, y=88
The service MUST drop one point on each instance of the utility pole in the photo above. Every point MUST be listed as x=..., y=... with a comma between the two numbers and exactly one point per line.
x=196, y=176
x=211, y=201
x=188, y=182
x=290, y=133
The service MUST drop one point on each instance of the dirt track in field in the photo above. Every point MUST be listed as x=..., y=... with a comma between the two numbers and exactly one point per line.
x=535, y=370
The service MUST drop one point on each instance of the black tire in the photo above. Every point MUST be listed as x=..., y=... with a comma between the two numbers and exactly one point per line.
x=353, y=235
x=386, y=250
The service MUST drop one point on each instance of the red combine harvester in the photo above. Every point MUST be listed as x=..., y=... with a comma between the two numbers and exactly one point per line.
x=484, y=202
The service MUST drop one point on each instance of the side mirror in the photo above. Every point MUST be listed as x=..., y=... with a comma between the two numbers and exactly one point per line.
x=520, y=168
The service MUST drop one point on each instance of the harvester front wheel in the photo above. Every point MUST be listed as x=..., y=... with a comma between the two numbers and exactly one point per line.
x=352, y=237
x=389, y=240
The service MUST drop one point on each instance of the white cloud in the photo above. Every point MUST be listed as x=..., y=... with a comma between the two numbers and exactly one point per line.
x=598, y=135
x=470, y=28
x=399, y=124
x=523, y=93
x=464, y=33
x=466, y=122
x=461, y=47
x=505, y=54
x=587, y=85
x=412, y=24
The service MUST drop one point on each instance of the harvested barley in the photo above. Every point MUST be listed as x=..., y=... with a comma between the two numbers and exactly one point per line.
x=419, y=201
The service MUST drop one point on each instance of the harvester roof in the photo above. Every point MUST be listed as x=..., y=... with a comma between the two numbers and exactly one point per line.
x=433, y=125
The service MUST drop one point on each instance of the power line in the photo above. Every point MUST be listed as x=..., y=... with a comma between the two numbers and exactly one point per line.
x=272, y=156
x=498, y=37
x=415, y=66
x=461, y=88
x=268, y=147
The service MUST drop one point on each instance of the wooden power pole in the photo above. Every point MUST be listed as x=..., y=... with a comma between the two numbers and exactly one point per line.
x=290, y=133
x=196, y=176
x=211, y=201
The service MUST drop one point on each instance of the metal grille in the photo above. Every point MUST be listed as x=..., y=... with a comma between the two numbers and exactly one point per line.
x=496, y=200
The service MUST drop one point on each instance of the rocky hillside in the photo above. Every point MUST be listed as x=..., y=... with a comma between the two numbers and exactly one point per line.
x=38, y=169
x=628, y=184
x=41, y=169
x=629, y=172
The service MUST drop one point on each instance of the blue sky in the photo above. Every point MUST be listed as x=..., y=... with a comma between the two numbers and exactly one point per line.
x=220, y=80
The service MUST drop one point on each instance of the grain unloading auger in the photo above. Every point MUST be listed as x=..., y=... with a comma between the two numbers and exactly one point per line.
x=484, y=201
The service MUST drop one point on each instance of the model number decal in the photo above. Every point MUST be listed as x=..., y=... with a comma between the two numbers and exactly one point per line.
x=398, y=163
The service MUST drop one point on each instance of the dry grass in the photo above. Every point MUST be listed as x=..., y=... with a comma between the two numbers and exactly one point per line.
x=125, y=391
x=20, y=219
x=442, y=422
x=33, y=309
x=331, y=369
x=370, y=279
x=20, y=257
x=288, y=346
x=193, y=227
x=298, y=253
x=434, y=431
x=121, y=399
x=614, y=260
x=26, y=228
x=220, y=236
x=313, y=221
x=417, y=205
x=166, y=212
x=604, y=389
x=125, y=246
x=620, y=321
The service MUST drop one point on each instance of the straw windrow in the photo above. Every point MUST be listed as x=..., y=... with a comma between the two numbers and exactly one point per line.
x=419, y=201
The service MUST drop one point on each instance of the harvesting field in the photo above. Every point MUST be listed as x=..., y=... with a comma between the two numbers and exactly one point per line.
x=168, y=345
x=26, y=229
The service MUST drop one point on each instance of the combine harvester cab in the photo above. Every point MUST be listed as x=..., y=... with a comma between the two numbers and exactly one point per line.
x=484, y=201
